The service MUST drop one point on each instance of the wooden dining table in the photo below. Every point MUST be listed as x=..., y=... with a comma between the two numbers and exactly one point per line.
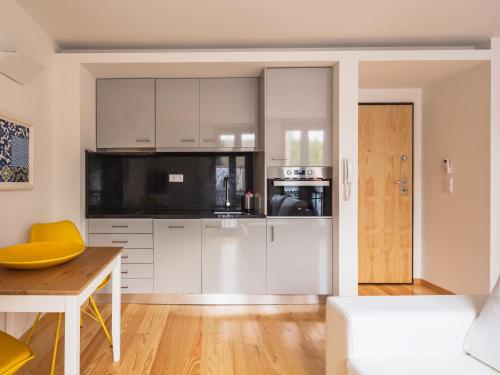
x=63, y=289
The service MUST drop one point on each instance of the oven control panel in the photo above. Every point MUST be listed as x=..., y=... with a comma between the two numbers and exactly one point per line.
x=299, y=172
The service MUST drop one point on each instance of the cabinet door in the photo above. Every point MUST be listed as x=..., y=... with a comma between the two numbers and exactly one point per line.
x=177, y=113
x=299, y=256
x=299, y=121
x=229, y=112
x=177, y=256
x=234, y=256
x=125, y=113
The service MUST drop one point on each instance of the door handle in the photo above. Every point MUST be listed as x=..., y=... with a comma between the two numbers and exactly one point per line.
x=272, y=233
x=187, y=139
x=118, y=241
x=401, y=181
x=176, y=226
x=143, y=140
x=119, y=226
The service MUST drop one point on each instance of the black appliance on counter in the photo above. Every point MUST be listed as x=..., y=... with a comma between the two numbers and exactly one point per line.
x=299, y=191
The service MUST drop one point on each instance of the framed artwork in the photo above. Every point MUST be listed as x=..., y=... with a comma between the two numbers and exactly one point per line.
x=16, y=154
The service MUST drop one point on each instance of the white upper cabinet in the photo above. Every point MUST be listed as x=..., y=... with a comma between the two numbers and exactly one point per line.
x=229, y=112
x=299, y=115
x=125, y=113
x=177, y=113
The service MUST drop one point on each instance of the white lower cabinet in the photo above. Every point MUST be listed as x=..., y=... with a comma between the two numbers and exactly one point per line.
x=234, y=256
x=299, y=256
x=177, y=256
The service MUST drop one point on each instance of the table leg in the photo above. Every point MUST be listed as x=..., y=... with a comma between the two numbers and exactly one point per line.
x=116, y=310
x=72, y=336
x=9, y=323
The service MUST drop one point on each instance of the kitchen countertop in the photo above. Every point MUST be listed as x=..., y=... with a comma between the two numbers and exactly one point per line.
x=164, y=213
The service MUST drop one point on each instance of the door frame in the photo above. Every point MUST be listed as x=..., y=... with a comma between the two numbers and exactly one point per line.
x=412, y=179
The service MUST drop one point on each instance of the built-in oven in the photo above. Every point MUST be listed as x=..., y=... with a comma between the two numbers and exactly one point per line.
x=299, y=191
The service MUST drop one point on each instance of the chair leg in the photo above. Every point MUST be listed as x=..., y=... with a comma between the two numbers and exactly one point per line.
x=101, y=320
x=33, y=328
x=56, y=342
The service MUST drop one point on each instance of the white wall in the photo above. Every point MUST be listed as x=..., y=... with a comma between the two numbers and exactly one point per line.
x=19, y=209
x=456, y=124
x=407, y=96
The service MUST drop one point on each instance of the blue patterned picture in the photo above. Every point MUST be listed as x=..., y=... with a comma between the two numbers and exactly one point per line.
x=16, y=157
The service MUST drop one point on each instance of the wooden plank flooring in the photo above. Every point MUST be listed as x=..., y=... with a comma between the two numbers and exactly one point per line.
x=208, y=340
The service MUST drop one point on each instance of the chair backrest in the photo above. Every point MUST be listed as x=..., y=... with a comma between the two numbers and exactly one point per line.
x=57, y=231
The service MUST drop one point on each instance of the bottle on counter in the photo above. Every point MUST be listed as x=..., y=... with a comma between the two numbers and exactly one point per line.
x=257, y=202
x=248, y=201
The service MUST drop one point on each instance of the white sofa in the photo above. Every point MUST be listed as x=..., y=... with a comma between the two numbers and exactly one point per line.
x=405, y=335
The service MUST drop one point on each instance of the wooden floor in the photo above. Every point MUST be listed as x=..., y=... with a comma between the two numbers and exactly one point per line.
x=208, y=340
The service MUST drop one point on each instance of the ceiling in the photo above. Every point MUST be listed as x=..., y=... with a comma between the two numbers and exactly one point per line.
x=409, y=74
x=161, y=24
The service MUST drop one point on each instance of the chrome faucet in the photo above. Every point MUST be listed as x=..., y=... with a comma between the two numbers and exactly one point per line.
x=227, y=204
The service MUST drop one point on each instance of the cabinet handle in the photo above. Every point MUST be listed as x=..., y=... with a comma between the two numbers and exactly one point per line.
x=143, y=140
x=124, y=271
x=119, y=241
x=213, y=226
x=124, y=256
x=188, y=140
x=124, y=286
x=119, y=226
x=279, y=159
x=272, y=233
x=209, y=140
x=176, y=226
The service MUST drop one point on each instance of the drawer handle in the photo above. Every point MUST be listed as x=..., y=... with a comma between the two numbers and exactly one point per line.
x=124, y=256
x=124, y=286
x=119, y=226
x=176, y=226
x=143, y=140
x=213, y=226
x=210, y=140
x=279, y=159
x=124, y=272
x=187, y=140
x=272, y=233
x=119, y=241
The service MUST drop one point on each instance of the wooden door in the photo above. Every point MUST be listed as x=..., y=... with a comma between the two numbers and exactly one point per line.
x=385, y=193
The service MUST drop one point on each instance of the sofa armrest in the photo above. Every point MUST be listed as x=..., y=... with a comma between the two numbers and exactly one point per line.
x=368, y=327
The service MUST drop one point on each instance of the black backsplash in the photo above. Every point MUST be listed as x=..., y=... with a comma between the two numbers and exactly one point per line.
x=126, y=183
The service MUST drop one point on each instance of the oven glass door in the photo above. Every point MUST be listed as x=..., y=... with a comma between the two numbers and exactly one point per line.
x=299, y=197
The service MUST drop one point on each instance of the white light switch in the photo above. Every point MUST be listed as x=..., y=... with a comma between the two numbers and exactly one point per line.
x=448, y=184
x=175, y=178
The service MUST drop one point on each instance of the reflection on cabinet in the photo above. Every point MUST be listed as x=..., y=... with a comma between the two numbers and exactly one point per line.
x=177, y=113
x=125, y=113
x=177, y=256
x=234, y=256
x=229, y=112
x=299, y=256
x=299, y=123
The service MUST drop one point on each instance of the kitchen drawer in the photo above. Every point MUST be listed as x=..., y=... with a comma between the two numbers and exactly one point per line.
x=141, y=256
x=131, y=286
x=120, y=226
x=137, y=271
x=127, y=241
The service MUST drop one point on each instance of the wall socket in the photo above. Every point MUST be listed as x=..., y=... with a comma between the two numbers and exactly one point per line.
x=175, y=178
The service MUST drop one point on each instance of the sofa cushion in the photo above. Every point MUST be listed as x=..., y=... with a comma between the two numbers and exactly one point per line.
x=483, y=339
x=456, y=365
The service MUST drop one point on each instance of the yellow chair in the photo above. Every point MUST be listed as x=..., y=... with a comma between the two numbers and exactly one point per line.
x=66, y=231
x=13, y=354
